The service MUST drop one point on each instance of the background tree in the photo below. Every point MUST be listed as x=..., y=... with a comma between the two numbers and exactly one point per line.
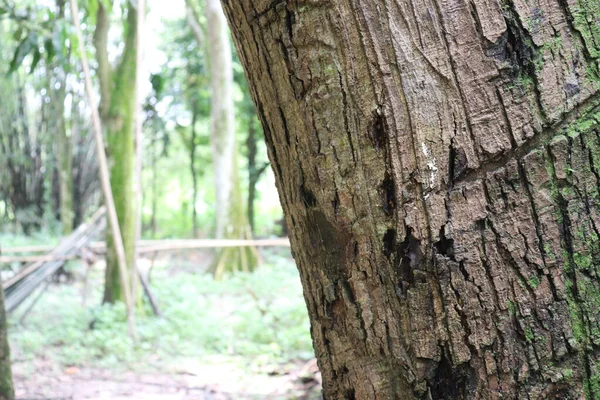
x=231, y=217
x=64, y=148
x=40, y=148
x=254, y=148
x=437, y=164
x=117, y=109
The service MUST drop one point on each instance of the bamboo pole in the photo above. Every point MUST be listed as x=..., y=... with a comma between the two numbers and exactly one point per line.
x=104, y=175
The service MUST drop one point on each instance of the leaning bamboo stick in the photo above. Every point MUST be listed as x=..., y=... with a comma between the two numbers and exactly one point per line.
x=104, y=175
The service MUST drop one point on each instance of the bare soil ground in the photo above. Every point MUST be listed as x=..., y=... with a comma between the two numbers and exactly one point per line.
x=185, y=380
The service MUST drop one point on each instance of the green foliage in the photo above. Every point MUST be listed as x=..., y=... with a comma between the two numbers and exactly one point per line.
x=249, y=314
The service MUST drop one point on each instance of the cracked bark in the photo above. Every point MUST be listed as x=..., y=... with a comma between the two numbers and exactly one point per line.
x=438, y=164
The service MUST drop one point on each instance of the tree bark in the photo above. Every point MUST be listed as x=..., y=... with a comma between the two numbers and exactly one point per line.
x=6, y=385
x=117, y=110
x=7, y=391
x=438, y=164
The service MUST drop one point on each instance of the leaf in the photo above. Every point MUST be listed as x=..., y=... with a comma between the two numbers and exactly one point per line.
x=49, y=48
x=158, y=83
x=18, y=35
x=36, y=59
x=23, y=49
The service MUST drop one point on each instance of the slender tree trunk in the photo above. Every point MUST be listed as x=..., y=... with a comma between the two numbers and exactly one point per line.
x=439, y=166
x=65, y=162
x=254, y=171
x=64, y=149
x=231, y=217
x=193, y=171
x=222, y=114
x=6, y=384
x=117, y=110
x=154, y=206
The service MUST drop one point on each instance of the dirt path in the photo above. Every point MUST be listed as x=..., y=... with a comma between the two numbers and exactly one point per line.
x=186, y=380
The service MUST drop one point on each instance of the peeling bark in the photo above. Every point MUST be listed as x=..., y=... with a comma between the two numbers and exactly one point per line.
x=438, y=165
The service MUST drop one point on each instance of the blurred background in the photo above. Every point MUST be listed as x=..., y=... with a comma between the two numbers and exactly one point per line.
x=211, y=322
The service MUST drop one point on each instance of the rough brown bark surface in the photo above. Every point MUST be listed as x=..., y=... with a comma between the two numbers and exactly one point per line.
x=7, y=391
x=438, y=162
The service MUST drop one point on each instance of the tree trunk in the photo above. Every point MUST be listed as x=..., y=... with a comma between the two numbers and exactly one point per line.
x=231, y=217
x=193, y=170
x=64, y=159
x=254, y=171
x=222, y=132
x=438, y=164
x=6, y=384
x=64, y=149
x=117, y=110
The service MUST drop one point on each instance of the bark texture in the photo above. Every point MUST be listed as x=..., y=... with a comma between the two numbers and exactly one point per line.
x=438, y=162
x=117, y=110
x=6, y=384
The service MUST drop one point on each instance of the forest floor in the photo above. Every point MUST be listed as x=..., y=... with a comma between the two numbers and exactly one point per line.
x=224, y=379
x=244, y=337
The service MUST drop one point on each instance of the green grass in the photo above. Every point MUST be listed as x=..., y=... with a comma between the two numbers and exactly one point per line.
x=261, y=315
